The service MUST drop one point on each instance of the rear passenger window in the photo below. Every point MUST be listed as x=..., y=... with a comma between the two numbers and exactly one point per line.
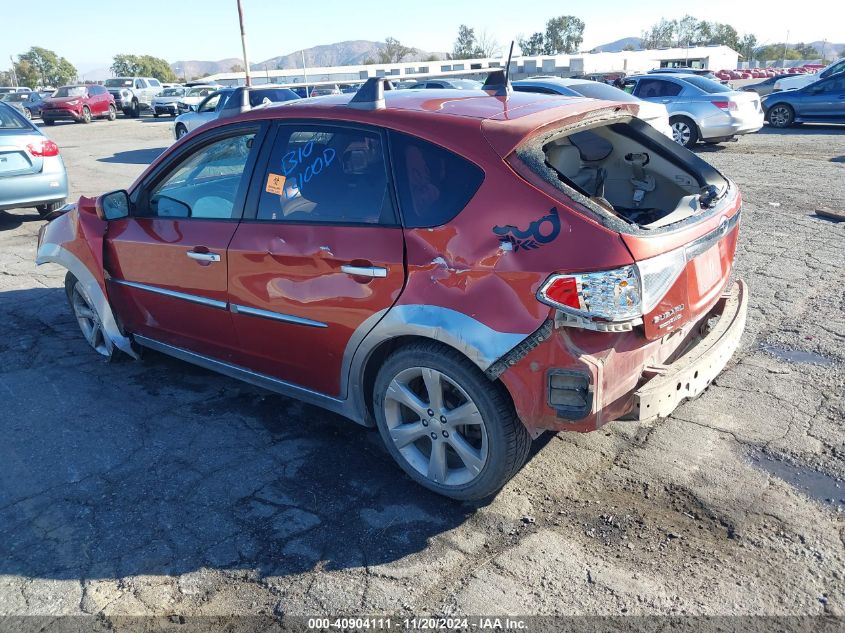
x=651, y=88
x=326, y=174
x=434, y=184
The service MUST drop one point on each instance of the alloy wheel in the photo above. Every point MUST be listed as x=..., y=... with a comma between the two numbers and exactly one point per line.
x=436, y=426
x=89, y=322
x=681, y=132
x=780, y=116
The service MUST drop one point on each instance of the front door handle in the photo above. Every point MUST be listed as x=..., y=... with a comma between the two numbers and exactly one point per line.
x=203, y=257
x=364, y=271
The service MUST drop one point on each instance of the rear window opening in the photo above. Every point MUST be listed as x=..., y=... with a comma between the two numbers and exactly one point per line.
x=627, y=173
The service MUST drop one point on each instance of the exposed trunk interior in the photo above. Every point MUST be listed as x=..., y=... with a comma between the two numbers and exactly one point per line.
x=628, y=170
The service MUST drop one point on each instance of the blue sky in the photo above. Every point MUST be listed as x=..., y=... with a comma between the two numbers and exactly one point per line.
x=90, y=35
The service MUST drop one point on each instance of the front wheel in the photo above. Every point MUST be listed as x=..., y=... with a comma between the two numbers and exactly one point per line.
x=684, y=131
x=112, y=113
x=181, y=131
x=48, y=121
x=446, y=424
x=27, y=113
x=86, y=115
x=87, y=317
x=781, y=115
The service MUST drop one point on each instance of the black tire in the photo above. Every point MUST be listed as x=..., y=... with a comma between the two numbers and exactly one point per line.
x=155, y=115
x=781, y=115
x=507, y=440
x=86, y=115
x=181, y=131
x=27, y=113
x=684, y=130
x=112, y=115
x=48, y=121
x=45, y=209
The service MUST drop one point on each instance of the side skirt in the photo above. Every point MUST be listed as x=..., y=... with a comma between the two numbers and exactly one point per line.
x=341, y=407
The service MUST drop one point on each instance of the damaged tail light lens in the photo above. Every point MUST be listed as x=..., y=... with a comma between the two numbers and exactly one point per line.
x=610, y=295
x=618, y=295
x=44, y=149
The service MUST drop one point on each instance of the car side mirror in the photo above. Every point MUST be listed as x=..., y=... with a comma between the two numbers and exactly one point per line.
x=114, y=205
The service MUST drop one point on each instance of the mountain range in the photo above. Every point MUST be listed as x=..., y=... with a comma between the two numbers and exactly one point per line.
x=347, y=53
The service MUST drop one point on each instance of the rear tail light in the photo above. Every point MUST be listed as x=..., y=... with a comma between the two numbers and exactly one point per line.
x=730, y=106
x=44, y=149
x=621, y=295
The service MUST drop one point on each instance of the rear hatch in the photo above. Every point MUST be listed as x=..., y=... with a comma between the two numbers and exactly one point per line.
x=677, y=215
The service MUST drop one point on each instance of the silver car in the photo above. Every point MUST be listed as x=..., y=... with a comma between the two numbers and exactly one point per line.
x=167, y=102
x=229, y=102
x=654, y=114
x=32, y=174
x=700, y=109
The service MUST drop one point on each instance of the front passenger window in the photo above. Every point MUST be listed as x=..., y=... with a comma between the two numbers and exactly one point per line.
x=205, y=184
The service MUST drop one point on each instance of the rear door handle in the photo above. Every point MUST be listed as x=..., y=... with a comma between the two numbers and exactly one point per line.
x=364, y=271
x=203, y=257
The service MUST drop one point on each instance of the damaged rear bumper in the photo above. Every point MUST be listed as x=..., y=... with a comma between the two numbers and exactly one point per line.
x=621, y=375
x=693, y=372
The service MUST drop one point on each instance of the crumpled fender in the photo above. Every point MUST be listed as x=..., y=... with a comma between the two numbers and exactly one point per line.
x=74, y=240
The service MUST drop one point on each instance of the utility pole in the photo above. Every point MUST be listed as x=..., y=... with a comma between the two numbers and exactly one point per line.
x=243, y=43
x=14, y=74
x=785, y=46
x=304, y=74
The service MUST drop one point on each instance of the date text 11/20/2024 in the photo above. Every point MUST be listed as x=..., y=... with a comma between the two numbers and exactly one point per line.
x=417, y=624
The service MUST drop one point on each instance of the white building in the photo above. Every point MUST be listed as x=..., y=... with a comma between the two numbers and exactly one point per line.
x=714, y=57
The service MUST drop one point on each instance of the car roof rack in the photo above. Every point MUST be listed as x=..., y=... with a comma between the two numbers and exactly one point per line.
x=370, y=96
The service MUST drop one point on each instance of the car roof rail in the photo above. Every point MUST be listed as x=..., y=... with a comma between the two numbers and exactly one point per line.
x=370, y=96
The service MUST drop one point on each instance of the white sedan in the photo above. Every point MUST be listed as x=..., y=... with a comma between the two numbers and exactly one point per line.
x=228, y=102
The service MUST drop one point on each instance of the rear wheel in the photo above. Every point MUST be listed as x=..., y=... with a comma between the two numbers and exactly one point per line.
x=684, y=131
x=46, y=209
x=446, y=424
x=781, y=115
x=87, y=317
x=86, y=115
x=48, y=121
x=112, y=113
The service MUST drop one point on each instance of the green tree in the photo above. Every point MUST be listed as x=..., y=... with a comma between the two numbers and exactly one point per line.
x=564, y=34
x=629, y=47
x=660, y=35
x=531, y=46
x=465, y=46
x=687, y=31
x=806, y=51
x=842, y=53
x=724, y=34
x=124, y=65
x=747, y=43
x=775, y=51
x=45, y=68
x=236, y=68
x=393, y=51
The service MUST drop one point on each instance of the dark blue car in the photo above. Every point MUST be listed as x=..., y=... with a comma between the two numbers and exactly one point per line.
x=28, y=103
x=820, y=102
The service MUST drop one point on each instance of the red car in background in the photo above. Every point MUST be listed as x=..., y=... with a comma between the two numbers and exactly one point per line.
x=463, y=269
x=80, y=103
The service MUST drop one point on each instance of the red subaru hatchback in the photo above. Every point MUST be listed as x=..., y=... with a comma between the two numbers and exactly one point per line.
x=464, y=270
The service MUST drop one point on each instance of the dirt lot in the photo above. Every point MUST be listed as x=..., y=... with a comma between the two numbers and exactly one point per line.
x=156, y=488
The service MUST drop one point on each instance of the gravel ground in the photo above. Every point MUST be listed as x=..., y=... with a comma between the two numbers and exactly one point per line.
x=139, y=488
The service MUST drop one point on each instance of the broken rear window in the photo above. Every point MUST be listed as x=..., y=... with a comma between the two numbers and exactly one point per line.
x=625, y=171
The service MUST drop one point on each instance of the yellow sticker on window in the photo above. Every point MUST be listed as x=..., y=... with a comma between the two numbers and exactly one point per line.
x=275, y=184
